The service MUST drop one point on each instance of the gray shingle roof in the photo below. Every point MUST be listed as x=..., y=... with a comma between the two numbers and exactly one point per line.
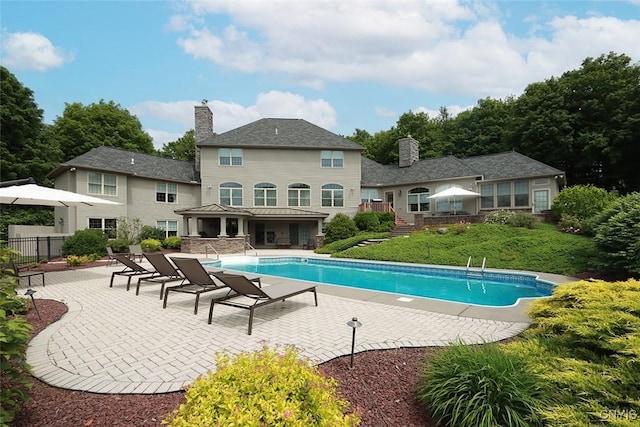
x=281, y=133
x=131, y=163
x=216, y=208
x=507, y=165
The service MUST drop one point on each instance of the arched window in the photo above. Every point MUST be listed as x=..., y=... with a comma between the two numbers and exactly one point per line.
x=299, y=194
x=332, y=195
x=417, y=200
x=264, y=194
x=231, y=194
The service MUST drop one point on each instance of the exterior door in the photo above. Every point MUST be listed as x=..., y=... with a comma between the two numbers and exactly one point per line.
x=540, y=201
x=293, y=234
x=388, y=196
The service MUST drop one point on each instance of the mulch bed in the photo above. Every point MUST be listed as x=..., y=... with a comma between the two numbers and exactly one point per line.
x=381, y=387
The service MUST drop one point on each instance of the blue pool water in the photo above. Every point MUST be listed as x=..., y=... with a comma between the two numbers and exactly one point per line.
x=445, y=283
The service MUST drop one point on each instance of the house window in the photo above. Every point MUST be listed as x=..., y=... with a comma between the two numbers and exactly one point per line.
x=332, y=195
x=170, y=228
x=369, y=195
x=486, y=196
x=100, y=183
x=231, y=194
x=332, y=159
x=264, y=194
x=521, y=193
x=106, y=225
x=504, y=194
x=417, y=199
x=299, y=195
x=230, y=156
x=166, y=193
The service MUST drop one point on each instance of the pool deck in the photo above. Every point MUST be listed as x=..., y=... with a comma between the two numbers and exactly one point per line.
x=112, y=341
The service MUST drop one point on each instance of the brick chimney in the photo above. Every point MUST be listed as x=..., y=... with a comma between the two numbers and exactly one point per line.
x=203, y=128
x=409, y=151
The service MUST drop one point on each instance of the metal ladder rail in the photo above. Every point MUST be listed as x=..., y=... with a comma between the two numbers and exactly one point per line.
x=482, y=269
x=250, y=247
x=206, y=251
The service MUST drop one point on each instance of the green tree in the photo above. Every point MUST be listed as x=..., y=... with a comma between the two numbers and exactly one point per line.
x=81, y=128
x=23, y=150
x=183, y=148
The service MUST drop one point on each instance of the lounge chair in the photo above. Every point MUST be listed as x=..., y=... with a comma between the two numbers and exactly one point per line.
x=135, y=251
x=242, y=286
x=110, y=254
x=196, y=280
x=131, y=269
x=166, y=272
x=12, y=269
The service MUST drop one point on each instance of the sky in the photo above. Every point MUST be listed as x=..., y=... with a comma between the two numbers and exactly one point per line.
x=340, y=64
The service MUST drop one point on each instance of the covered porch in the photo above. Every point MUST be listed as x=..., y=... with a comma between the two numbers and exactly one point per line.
x=228, y=229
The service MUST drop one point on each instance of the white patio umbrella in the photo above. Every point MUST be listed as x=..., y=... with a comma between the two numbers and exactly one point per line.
x=32, y=194
x=453, y=192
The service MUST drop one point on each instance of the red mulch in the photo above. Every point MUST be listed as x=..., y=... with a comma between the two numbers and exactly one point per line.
x=381, y=387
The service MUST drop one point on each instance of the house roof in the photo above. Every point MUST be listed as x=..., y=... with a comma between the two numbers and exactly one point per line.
x=217, y=209
x=508, y=165
x=131, y=163
x=281, y=133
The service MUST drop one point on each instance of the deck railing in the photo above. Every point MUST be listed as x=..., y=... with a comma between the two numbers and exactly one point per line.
x=378, y=207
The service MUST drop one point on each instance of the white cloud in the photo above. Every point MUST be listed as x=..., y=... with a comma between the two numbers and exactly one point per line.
x=385, y=112
x=445, y=46
x=453, y=110
x=229, y=115
x=32, y=51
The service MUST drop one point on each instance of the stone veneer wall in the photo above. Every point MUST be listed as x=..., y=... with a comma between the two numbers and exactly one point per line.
x=198, y=245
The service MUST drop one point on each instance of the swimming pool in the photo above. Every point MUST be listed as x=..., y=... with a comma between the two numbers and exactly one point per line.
x=489, y=288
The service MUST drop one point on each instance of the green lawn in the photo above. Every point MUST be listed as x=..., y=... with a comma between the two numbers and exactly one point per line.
x=543, y=249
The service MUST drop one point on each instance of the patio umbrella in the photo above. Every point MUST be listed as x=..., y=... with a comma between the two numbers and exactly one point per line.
x=453, y=192
x=32, y=194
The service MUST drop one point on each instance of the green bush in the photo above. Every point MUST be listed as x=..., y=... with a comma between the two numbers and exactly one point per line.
x=617, y=236
x=14, y=338
x=522, y=219
x=172, y=242
x=581, y=202
x=343, y=244
x=85, y=242
x=366, y=221
x=386, y=217
x=151, y=245
x=119, y=245
x=75, y=260
x=498, y=217
x=340, y=227
x=149, y=232
x=478, y=386
x=571, y=224
x=263, y=388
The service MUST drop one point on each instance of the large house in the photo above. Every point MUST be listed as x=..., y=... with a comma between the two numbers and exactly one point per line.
x=275, y=182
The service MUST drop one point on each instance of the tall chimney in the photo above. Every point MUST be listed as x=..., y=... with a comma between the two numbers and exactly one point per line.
x=409, y=151
x=203, y=128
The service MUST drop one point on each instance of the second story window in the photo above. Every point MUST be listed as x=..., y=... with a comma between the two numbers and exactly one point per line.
x=230, y=156
x=166, y=193
x=332, y=195
x=231, y=194
x=332, y=159
x=299, y=195
x=264, y=194
x=100, y=183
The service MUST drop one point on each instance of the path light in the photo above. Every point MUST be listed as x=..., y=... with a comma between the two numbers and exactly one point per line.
x=30, y=292
x=354, y=324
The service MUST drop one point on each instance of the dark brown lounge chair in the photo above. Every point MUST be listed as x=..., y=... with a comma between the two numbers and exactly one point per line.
x=196, y=280
x=166, y=272
x=131, y=268
x=12, y=269
x=240, y=285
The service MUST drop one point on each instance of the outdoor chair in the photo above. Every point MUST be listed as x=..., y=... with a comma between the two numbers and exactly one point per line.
x=110, y=254
x=131, y=269
x=166, y=272
x=12, y=269
x=241, y=286
x=196, y=280
x=135, y=251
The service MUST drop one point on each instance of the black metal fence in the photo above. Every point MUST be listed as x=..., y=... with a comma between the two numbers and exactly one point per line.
x=34, y=249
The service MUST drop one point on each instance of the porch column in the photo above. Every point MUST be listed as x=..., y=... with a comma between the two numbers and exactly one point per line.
x=223, y=227
x=192, y=226
x=241, y=226
x=320, y=233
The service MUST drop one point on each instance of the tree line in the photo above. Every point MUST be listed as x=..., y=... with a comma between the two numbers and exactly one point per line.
x=585, y=122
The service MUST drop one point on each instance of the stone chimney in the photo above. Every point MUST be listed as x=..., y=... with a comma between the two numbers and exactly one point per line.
x=409, y=151
x=203, y=128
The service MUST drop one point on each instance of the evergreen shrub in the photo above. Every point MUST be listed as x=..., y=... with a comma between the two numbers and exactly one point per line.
x=85, y=242
x=498, y=217
x=366, y=221
x=340, y=227
x=151, y=245
x=172, y=242
x=149, y=232
x=263, y=388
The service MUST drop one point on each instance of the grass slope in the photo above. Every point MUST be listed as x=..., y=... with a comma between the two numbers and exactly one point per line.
x=543, y=249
